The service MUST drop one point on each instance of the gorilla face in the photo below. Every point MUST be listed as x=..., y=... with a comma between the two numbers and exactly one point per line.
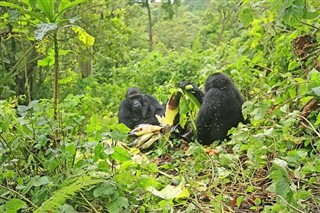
x=135, y=99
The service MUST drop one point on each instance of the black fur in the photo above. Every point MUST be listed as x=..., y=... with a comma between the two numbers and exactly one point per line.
x=220, y=110
x=139, y=108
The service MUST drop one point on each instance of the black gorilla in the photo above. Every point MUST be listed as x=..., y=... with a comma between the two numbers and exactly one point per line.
x=139, y=108
x=220, y=108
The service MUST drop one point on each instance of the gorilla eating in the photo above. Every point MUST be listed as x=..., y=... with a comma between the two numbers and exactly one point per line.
x=139, y=108
x=221, y=108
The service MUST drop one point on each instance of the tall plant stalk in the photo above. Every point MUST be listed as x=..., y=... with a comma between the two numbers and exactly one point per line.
x=149, y=25
x=56, y=81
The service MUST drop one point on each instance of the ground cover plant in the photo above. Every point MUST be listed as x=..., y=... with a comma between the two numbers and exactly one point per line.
x=66, y=66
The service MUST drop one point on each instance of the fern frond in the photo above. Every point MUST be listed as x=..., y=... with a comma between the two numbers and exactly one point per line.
x=61, y=195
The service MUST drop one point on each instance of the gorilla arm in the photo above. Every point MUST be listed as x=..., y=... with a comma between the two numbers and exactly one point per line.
x=151, y=108
x=205, y=134
x=124, y=115
x=194, y=90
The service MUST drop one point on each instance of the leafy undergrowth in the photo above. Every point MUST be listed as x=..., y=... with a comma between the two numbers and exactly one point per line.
x=81, y=163
x=269, y=165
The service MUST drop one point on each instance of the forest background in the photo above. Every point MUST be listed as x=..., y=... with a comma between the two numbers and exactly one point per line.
x=66, y=65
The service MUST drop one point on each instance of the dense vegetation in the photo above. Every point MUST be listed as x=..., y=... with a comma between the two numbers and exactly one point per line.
x=66, y=65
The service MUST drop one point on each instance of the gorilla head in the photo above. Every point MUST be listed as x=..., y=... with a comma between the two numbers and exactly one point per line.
x=134, y=99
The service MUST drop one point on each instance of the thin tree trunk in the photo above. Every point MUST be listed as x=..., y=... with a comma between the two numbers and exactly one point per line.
x=149, y=25
x=56, y=80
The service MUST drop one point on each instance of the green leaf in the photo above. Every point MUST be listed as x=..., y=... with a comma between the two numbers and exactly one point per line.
x=39, y=181
x=153, y=167
x=287, y=3
x=293, y=11
x=316, y=91
x=145, y=182
x=239, y=201
x=120, y=154
x=104, y=190
x=246, y=16
x=83, y=36
x=109, y=151
x=169, y=192
x=292, y=65
x=13, y=205
x=22, y=10
x=47, y=7
x=33, y=3
x=66, y=4
x=117, y=205
x=282, y=187
x=311, y=15
x=318, y=119
x=95, y=124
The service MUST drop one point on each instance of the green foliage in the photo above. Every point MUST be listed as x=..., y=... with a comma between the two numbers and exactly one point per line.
x=60, y=196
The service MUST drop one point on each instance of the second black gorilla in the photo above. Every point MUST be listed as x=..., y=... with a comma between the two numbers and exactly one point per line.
x=139, y=108
x=221, y=108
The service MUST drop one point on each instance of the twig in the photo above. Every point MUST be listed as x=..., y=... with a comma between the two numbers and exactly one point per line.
x=212, y=170
x=198, y=206
x=311, y=126
x=20, y=195
x=291, y=206
x=92, y=207
x=310, y=25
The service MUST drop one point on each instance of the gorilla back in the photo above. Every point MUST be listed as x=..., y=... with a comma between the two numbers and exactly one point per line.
x=220, y=110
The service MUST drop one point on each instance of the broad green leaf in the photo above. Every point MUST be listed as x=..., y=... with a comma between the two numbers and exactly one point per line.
x=47, y=7
x=117, y=205
x=95, y=124
x=22, y=10
x=184, y=194
x=153, y=167
x=246, y=16
x=311, y=15
x=282, y=187
x=292, y=65
x=292, y=92
x=13, y=205
x=239, y=201
x=43, y=28
x=103, y=166
x=316, y=91
x=318, y=119
x=293, y=13
x=51, y=164
x=83, y=36
x=5, y=123
x=66, y=4
x=169, y=192
x=38, y=181
x=283, y=164
x=104, y=190
x=109, y=151
x=120, y=154
x=287, y=3
x=33, y=3
x=146, y=182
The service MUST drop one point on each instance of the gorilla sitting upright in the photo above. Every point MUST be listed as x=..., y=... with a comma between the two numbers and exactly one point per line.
x=221, y=108
x=139, y=108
